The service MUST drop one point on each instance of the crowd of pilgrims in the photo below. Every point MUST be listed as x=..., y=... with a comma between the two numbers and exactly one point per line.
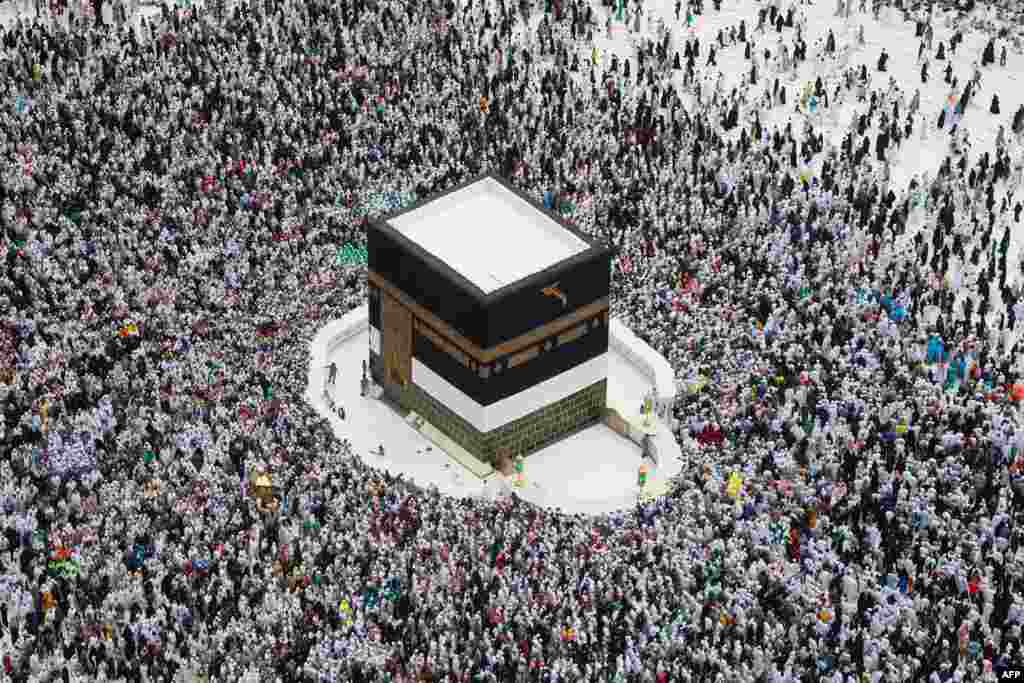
x=173, y=200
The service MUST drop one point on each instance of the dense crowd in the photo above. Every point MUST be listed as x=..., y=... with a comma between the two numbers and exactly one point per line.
x=172, y=205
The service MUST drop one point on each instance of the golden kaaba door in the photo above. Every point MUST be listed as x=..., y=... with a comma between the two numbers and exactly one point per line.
x=396, y=340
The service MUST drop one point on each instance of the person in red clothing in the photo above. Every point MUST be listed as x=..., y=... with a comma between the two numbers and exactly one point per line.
x=794, y=544
x=711, y=434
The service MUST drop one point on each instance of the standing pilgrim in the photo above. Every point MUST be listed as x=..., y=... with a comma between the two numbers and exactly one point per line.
x=994, y=109
x=988, y=56
x=1018, y=121
x=883, y=60
x=97, y=9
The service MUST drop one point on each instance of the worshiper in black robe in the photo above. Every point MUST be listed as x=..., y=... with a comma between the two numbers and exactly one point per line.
x=988, y=56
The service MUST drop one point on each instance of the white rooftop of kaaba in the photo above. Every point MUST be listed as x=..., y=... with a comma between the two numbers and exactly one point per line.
x=488, y=235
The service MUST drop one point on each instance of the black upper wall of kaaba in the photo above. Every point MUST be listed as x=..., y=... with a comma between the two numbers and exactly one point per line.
x=509, y=382
x=489, y=319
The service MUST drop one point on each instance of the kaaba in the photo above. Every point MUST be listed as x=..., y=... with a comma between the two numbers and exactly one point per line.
x=489, y=318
